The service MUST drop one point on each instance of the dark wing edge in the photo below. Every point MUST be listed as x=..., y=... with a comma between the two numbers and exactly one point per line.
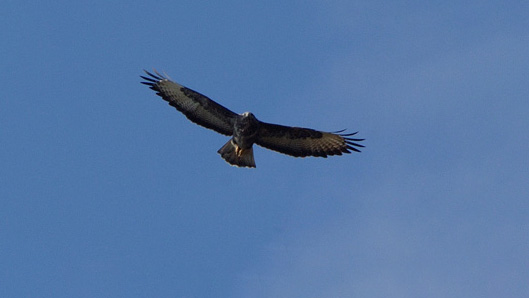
x=195, y=106
x=350, y=141
x=302, y=142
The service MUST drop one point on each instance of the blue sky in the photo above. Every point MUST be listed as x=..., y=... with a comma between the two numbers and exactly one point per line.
x=106, y=191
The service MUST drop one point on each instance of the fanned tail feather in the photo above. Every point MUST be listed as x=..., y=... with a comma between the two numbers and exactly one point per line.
x=243, y=159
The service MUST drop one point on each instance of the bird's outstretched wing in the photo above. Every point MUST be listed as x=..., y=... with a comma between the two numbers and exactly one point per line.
x=301, y=142
x=197, y=107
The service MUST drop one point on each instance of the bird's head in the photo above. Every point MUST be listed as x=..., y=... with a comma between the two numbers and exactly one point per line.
x=248, y=117
x=247, y=122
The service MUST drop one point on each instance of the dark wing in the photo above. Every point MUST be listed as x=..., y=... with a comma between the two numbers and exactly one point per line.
x=301, y=142
x=197, y=107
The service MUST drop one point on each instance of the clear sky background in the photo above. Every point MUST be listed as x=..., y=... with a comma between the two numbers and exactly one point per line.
x=106, y=191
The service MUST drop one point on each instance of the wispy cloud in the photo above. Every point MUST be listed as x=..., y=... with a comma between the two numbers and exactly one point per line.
x=442, y=216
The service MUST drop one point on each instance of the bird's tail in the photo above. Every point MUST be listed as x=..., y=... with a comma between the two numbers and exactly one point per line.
x=236, y=156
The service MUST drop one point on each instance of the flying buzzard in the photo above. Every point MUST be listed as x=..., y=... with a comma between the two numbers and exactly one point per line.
x=246, y=130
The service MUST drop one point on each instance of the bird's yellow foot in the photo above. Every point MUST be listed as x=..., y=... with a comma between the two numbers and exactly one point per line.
x=238, y=150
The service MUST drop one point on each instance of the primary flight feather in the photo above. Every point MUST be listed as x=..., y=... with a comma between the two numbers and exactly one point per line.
x=246, y=130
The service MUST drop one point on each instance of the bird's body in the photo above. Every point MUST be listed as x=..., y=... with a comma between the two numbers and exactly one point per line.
x=246, y=130
x=239, y=150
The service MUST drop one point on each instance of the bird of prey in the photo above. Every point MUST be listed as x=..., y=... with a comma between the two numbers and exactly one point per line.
x=246, y=130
